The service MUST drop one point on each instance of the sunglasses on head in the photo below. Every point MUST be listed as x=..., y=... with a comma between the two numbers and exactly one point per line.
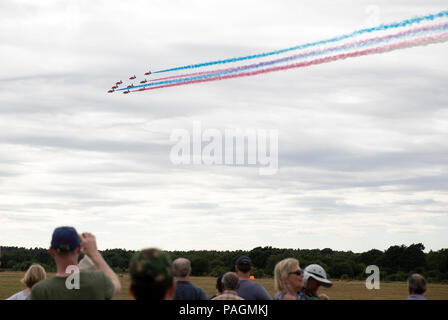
x=298, y=272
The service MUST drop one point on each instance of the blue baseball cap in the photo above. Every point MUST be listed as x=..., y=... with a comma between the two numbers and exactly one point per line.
x=65, y=239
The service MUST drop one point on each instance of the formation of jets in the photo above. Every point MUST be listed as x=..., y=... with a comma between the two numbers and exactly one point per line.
x=129, y=86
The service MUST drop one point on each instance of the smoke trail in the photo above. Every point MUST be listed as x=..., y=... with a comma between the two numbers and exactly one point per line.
x=393, y=25
x=352, y=45
x=360, y=43
x=386, y=48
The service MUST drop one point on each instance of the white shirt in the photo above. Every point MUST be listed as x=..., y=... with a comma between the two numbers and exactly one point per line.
x=22, y=295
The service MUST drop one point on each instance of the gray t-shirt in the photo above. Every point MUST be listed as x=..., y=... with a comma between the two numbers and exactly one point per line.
x=250, y=290
x=22, y=295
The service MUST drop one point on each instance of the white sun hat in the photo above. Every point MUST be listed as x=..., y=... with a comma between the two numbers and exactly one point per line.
x=318, y=273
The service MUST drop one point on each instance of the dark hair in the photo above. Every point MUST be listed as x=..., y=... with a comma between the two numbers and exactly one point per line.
x=417, y=283
x=244, y=267
x=147, y=290
x=219, y=283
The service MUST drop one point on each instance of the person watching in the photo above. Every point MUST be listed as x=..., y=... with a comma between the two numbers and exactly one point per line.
x=185, y=290
x=151, y=273
x=33, y=275
x=230, y=285
x=249, y=290
x=218, y=287
x=288, y=280
x=315, y=276
x=65, y=248
x=416, y=287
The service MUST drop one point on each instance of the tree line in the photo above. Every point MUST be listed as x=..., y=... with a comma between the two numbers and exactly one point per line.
x=395, y=263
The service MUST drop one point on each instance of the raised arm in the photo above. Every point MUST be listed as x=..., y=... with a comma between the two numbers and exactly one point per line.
x=88, y=242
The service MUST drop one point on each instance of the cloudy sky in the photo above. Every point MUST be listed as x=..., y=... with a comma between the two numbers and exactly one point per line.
x=362, y=142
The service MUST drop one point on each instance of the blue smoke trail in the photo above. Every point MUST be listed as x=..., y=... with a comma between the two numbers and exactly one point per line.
x=393, y=25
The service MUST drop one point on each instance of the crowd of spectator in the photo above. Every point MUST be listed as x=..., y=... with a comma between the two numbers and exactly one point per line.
x=153, y=276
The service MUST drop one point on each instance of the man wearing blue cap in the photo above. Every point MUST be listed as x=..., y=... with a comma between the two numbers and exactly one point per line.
x=69, y=283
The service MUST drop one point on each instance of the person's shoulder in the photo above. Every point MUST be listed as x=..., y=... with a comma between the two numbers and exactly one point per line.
x=93, y=275
x=256, y=285
x=200, y=292
x=416, y=297
x=97, y=276
x=261, y=292
x=15, y=296
x=96, y=273
x=23, y=295
x=102, y=284
x=43, y=284
x=197, y=288
x=39, y=289
x=185, y=286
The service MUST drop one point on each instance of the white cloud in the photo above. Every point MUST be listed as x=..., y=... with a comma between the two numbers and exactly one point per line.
x=362, y=151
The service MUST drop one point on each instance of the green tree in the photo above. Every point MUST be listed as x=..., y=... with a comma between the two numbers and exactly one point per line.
x=392, y=258
x=371, y=257
x=199, y=266
x=340, y=268
x=413, y=257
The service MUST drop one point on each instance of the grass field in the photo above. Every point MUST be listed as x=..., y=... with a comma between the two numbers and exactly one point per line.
x=341, y=290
